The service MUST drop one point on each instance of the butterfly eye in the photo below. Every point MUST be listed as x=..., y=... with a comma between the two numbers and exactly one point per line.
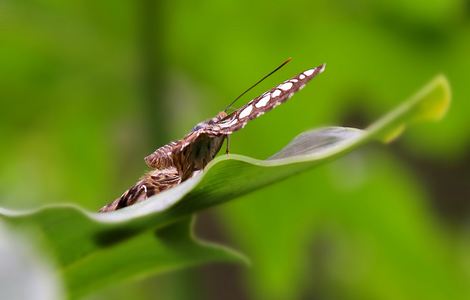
x=221, y=115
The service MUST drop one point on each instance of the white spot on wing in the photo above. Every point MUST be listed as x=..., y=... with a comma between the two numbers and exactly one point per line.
x=302, y=76
x=276, y=93
x=309, y=72
x=144, y=187
x=263, y=101
x=228, y=124
x=322, y=68
x=286, y=86
x=245, y=112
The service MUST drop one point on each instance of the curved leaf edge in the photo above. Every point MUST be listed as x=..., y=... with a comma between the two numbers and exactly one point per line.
x=429, y=103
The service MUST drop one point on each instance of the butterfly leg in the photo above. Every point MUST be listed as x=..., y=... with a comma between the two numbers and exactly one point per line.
x=227, y=148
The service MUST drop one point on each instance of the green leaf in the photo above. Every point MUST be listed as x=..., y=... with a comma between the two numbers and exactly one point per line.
x=161, y=250
x=154, y=236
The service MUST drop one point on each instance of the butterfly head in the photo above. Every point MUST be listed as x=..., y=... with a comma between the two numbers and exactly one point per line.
x=210, y=122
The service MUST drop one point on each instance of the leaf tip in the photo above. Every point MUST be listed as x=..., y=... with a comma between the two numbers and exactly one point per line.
x=436, y=98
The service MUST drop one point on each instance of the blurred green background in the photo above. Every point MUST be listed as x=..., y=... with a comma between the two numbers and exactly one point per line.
x=88, y=88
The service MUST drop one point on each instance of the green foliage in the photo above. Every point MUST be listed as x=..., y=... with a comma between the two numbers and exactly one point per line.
x=383, y=222
x=94, y=250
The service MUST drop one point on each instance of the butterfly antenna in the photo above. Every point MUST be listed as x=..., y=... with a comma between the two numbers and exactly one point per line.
x=258, y=82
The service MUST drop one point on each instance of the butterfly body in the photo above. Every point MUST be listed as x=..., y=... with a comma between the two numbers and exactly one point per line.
x=176, y=161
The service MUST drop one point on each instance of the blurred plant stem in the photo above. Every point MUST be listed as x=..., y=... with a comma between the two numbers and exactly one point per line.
x=153, y=79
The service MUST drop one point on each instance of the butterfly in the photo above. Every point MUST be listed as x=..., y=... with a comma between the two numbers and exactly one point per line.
x=176, y=161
